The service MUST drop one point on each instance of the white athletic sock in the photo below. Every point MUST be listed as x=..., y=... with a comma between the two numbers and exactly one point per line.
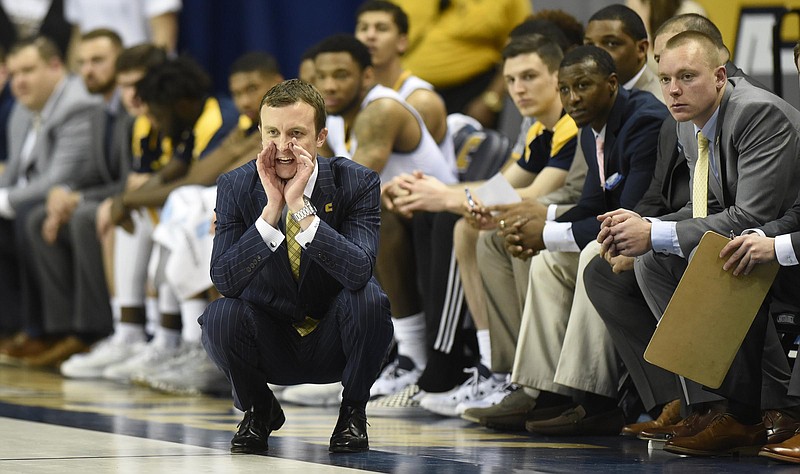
x=485, y=347
x=152, y=314
x=190, y=311
x=116, y=310
x=410, y=336
x=129, y=333
x=167, y=338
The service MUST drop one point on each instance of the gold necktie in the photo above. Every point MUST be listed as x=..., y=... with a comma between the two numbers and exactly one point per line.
x=308, y=324
x=292, y=246
x=700, y=180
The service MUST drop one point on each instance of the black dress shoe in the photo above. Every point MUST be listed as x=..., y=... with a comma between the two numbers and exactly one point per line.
x=350, y=433
x=251, y=438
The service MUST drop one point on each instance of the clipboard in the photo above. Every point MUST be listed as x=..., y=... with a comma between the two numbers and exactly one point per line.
x=708, y=316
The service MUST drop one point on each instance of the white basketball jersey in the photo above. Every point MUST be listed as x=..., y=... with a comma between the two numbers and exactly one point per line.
x=426, y=157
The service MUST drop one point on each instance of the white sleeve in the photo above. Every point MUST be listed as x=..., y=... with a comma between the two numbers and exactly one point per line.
x=159, y=7
x=272, y=236
x=5, y=205
x=551, y=212
x=558, y=237
x=72, y=11
x=784, y=251
x=306, y=236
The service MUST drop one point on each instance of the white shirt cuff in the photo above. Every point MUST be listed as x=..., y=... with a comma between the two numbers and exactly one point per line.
x=272, y=236
x=664, y=237
x=784, y=251
x=305, y=237
x=754, y=231
x=5, y=205
x=558, y=237
x=551, y=212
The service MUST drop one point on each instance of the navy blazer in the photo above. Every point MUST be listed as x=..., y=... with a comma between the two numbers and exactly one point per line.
x=342, y=254
x=629, y=149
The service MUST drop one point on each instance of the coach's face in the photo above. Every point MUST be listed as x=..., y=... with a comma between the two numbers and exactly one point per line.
x=289, y=127
x=690, y=82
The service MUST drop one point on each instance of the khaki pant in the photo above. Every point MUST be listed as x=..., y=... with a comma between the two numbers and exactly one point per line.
x=563, y=344
x=505, y=279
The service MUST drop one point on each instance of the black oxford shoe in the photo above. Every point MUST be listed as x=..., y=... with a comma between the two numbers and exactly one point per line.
x=350, y=434
x=251, y=438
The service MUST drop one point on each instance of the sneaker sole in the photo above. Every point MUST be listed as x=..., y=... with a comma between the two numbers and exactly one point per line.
x=81, y=374
x=406, y=412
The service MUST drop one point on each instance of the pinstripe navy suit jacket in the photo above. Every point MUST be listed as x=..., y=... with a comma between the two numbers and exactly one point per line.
x=342, y=254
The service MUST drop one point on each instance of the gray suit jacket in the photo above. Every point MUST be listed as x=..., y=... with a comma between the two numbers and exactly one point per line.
x=758, y=144
x=63, y=152
x=789, y=223
x=113, y=168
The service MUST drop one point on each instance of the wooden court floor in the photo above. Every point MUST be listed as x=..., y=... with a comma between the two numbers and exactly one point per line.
x=50, y=424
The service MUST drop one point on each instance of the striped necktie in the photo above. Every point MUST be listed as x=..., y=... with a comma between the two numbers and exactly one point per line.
x=292, y=246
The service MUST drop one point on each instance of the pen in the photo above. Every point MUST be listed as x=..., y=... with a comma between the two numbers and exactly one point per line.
x=470, y=201
x=733, y=236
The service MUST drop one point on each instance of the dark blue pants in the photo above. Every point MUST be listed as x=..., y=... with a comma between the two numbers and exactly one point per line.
x=252, y=348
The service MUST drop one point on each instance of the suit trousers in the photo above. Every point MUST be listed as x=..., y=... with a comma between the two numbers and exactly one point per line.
x=631, y=324
x=253, y=348
x=70, y=274
x=505, y=279
x=19, y=292
x=620, y=303
x=658, y=276
x=780, y=388
x=564, y=345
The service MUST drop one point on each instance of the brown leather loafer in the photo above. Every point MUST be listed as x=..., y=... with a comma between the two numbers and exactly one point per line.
x=670, y=415
x=58, y=353
x=788, y=451
x=724, y=436
x=22, y=347
x=689, y=426
x=780, y=426
x=576, y=422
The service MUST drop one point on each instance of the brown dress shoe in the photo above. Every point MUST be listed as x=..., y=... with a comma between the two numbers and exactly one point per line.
x=788, y=451
x=11, y=340
x=780, y=426
x=576, y=422
x=24, y=346
x=670, y=415
x=689, y=426
x=724, y=436
x=61, y=351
